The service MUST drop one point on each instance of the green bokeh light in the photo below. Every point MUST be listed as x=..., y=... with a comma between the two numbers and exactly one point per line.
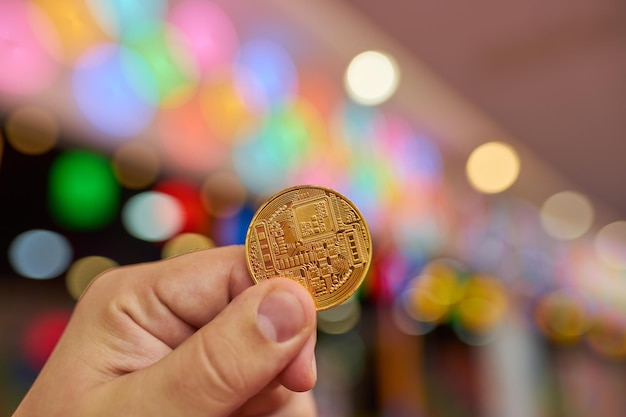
x=83, y=193
x=169, y=63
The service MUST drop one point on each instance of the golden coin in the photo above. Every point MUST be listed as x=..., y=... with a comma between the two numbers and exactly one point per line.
x=314, y=236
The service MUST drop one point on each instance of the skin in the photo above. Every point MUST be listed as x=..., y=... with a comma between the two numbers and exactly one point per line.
x=187, y=336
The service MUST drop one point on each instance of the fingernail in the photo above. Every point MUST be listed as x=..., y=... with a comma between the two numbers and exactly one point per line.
x=280, y=316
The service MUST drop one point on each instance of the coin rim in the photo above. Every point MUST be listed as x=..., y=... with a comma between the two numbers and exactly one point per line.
x=287, y=190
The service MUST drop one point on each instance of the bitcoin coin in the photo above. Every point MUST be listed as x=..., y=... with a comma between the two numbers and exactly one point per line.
x=314, y=236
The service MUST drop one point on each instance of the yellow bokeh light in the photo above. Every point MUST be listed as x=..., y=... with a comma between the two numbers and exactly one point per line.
x=83, y=271
x=441, y=275
x=372, y=78
x=224, y=111
x=423, y=304
x=479, y=315
x=566, y=215
x=184, y=243
x=493, y=167
x=136, y=165
x=484, y=304
x=563, y=316
x=32, y=130
x=74, y=24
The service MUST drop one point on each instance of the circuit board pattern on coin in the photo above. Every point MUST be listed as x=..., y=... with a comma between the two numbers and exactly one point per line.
x=315, y=236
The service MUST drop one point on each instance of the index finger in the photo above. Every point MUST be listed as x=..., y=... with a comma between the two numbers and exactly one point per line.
x=195, y=286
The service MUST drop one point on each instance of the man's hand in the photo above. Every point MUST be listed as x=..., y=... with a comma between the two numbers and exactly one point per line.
x=188, y=336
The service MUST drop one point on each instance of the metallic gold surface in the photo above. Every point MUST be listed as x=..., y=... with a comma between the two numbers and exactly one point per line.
x=315, y=236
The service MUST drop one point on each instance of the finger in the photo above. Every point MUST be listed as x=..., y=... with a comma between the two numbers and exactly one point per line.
x=228, y=361
x=300, y=404
x=172, y=298
x=279, y=402
x=271, y=398
x=301, y=374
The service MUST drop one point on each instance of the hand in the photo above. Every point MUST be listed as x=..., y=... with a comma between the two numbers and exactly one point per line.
x=187, y=336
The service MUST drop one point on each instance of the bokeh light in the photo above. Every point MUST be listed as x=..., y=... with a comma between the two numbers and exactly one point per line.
x=32, y=130
x=607, y=335
x=40, y=254
x=610, y=244
x=266, y=160
x=563, y=315
x=423, y=304
x=232, y=230
x=117, y=17
x=75, y=25
x=265, y=75
x=185, y=243
x=41, y=335
x=483, y=306
x=319, y=89
x=173, y=69
x=406, y=322
x=83, y=271
x=186, y=141
x=223, y=194
x=367, y=186
x=433, y=293
x=448, y=276
x=115, y=89
x=416, y=230
x=83, y=193
x=566, y=215
x=153, y=216
x=208, y=32
x=28, y=65
x=355, y=125
x=136, y=165
x=225, y=112
x=417, y=162
x=340, y=319
x=493, y=167
x=371, y=78
x=194, y=217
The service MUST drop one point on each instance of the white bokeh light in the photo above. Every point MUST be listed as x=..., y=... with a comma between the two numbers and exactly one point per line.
x=153, y=216
x=610, y=244
x=566, y=215
x=40, y=254
x=372, y=78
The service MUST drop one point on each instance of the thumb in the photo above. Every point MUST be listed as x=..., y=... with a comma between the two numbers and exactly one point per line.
x=248, y=345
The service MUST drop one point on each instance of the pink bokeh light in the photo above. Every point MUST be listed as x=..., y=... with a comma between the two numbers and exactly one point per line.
x=26, y=65
x=209, y=32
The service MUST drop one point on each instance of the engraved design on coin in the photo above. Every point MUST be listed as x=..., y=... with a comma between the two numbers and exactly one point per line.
x=314, y=236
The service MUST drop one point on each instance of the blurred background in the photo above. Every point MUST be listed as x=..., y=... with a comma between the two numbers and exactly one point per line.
x=482, y=141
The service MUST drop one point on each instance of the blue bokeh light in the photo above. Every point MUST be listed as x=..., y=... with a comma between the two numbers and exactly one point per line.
x=265, y=75
x=115, y=89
